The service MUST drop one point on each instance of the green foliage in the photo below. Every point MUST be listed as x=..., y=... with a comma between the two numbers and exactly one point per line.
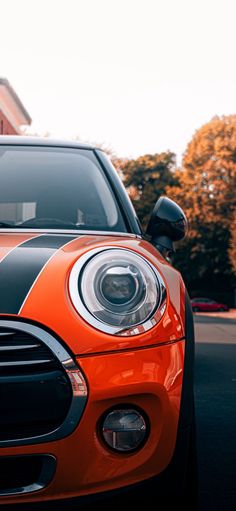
x=146, y=178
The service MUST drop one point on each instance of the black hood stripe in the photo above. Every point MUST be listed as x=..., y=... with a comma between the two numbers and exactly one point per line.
x=14, y=247
x=20, y=269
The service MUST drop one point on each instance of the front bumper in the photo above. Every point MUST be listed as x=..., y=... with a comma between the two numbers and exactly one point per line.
x=148, y=378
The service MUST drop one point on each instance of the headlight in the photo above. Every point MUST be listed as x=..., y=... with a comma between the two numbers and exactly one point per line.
x=116, y=290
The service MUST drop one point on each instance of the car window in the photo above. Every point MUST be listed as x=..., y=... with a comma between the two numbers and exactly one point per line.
x=55, y=187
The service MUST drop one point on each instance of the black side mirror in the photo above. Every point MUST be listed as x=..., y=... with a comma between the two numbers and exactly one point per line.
x=168, y=223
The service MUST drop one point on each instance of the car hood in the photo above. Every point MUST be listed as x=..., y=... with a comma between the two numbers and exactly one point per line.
x=34, y=274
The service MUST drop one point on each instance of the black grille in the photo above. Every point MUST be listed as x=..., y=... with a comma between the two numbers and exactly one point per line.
x=35, y=393
x=20, y=349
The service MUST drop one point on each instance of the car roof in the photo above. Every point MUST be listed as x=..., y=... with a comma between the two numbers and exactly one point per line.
x=43, y=141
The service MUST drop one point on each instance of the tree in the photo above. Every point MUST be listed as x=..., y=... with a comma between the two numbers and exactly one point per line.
x=206, y=191
x=146, y=179
x=210, y=170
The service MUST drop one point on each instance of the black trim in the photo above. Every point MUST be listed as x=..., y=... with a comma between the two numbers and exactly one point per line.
x=22, y=474
x=21, y=267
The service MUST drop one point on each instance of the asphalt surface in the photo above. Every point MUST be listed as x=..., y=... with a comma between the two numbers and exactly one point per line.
x=215, y=393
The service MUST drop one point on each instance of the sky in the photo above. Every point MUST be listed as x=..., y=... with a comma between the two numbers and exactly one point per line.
x=139, y=76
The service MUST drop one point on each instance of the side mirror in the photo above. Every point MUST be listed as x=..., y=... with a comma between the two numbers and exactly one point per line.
x=168, y=223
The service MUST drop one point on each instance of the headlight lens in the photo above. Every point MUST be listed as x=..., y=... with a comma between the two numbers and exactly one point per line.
x=115, y=289
x=119, y=285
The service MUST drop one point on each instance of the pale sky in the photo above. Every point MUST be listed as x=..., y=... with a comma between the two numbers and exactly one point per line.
x=139, y=75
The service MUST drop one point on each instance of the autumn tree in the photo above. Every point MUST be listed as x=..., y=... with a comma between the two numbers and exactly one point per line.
x=146, y=179
x=207, y=192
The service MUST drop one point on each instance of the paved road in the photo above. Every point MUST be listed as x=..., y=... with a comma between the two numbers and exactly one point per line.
x=215, y=391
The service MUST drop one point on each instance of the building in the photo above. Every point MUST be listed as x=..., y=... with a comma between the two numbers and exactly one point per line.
x=13, y=114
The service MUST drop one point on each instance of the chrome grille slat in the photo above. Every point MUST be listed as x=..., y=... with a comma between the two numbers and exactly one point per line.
x=24, y=362
x=20, y=347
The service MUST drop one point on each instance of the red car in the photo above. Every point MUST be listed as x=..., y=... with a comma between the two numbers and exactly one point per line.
x=208, y=305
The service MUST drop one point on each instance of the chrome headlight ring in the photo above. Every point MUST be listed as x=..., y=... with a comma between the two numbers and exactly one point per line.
x=117, y=291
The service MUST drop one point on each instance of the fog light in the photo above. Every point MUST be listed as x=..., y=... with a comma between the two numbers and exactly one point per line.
x=124, y=430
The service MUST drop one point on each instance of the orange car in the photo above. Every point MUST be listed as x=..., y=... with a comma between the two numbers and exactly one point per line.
x=96, y=336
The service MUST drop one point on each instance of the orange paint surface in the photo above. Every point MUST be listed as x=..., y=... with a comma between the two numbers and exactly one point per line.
x=150, y=379
x=49, y=302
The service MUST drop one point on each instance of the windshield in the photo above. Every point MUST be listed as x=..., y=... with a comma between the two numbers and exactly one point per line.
x=45, y=187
